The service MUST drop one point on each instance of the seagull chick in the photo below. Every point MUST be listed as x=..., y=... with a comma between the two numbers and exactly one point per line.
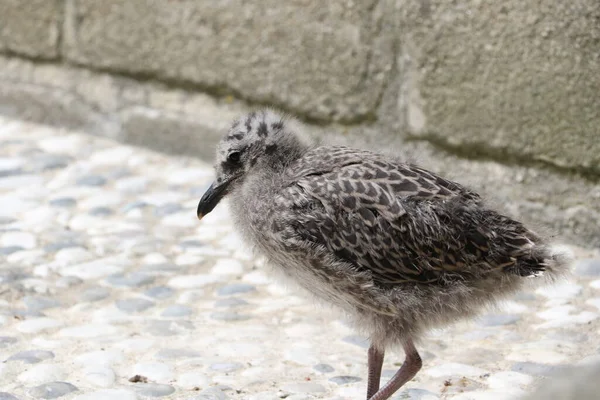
x=397, y=248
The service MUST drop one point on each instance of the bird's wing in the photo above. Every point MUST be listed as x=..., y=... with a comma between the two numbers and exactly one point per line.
x=399, y=222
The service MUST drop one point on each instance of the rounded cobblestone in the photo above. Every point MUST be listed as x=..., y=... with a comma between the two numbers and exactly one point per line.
x=177, y=310
x=236, y=288
x=154, y=390
x=134, y=305
x=52, y=390
x=344, y=380
x=31, y=356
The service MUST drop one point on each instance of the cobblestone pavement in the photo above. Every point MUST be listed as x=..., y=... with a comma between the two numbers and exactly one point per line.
x=110, y=288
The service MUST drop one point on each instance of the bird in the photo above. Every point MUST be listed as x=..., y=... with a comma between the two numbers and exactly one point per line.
x=396, y=248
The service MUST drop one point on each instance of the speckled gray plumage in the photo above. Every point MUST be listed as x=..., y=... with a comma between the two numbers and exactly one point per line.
x=397, y=247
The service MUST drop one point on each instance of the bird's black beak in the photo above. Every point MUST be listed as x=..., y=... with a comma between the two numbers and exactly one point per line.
x=211, y=198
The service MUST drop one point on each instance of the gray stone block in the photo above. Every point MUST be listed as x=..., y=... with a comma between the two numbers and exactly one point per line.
x=31, y=28
x=326, y=60
x=505, y=79
x=52, y=107
x=169, y=132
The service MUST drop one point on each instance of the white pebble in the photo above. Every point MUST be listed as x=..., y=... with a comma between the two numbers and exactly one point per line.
x=357, y=392
x=556, y=302
x=278, y=289
x=108, y=394
x=162, y=198
x=43, y=270
x=76, y=192
x=40, y=219
x=191, y=380
x=72, y=255
x=104, y=199
x=547, y=352
x=255, y=373
x=301, y=356
x=206, y=233
x=192, y=281
x=44, y=343
x=189, y=259
x=21, y=181
x=7, y=164
x=208, y=251
x=302, y=330
x=136, y=213
x=64, y=180
x=191, y=296
x=11, y=127
x=276, y=396
x=42, y=373
x=257, y=277
x=85, y=222
x=99, y=376
x=138, y=159
x=594, y=302
x=93, y=269
x=595, y=284
x=100, y=358
x=556, y=312
x=507, y=380
x=88, y=331
x=454, y=369
x=582, y=318
x=512, y=307
x=157, y=372
x=243, y=253
x=27, y=257
x=37, y=194
x=59, y=144
x=37, y=325
x=112, y=156
x=189, y=176
x=154, y=258
x=232, y=241
x=23, y=239
x=132, y=184
x=303, y=387
x=241, y=350
x=566, y=290
x=513, y=394
x=11, y=205
x=136, y=344
x=227, y=266
x=182, y=219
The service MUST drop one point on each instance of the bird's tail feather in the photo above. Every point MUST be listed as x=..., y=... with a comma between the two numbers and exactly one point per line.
x=551, y=262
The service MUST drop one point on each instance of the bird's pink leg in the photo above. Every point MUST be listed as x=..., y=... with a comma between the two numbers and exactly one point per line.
x=412, y=364
x=375, y=361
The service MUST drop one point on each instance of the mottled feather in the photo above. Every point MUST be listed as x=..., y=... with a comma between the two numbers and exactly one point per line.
x=399, y=222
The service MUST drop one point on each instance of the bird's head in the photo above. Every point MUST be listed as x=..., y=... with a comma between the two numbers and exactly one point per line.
x=258, y=141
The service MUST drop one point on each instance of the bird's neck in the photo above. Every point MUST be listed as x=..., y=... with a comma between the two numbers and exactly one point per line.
x=281, y=154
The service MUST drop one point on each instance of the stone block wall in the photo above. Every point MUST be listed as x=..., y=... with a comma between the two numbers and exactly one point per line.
x=31, y=28
x=503, y=96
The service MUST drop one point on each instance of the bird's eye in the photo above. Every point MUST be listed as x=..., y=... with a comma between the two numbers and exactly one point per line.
x=234, y=157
